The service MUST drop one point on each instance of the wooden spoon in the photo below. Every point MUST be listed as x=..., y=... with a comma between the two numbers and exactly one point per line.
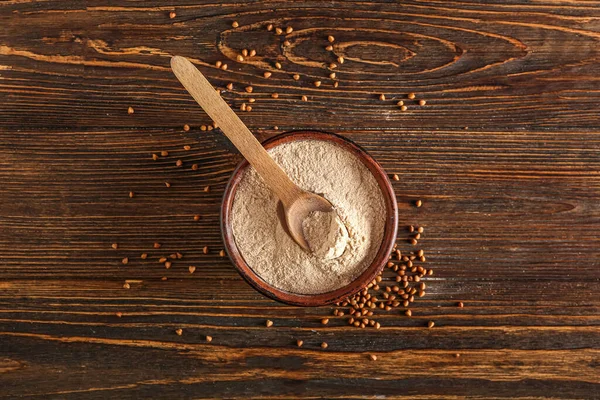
x=297, y=203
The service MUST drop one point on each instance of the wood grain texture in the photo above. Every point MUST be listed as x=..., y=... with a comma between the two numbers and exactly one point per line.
x=511, y=205
x=541, y=73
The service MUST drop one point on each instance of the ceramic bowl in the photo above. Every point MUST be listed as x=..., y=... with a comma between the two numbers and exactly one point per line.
x=381, y=258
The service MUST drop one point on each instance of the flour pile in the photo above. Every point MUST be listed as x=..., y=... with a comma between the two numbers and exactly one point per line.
x=343, y=245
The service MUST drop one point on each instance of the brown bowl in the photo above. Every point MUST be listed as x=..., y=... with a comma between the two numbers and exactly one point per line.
x=381, y=258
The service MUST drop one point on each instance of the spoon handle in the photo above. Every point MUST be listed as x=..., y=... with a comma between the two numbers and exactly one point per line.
x=231, y=125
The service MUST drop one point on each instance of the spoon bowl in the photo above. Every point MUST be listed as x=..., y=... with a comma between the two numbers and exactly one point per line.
x=299, y=210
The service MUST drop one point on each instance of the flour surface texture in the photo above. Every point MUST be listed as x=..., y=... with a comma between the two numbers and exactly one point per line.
x=331, y=171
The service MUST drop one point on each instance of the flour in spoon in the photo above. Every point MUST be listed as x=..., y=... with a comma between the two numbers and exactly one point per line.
x=350, y=241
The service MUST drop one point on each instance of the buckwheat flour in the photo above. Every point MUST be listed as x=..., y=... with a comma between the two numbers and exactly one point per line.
x=326, y=234
x=329, y=170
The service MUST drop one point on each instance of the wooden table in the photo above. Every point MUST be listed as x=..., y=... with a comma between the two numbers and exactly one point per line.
x=505, y=156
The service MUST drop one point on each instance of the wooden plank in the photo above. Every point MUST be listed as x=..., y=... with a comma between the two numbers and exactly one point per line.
x=186, y=365
x=496, y=206
x=66, y=64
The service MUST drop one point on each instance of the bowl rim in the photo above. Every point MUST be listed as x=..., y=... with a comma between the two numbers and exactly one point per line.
x=360, y=282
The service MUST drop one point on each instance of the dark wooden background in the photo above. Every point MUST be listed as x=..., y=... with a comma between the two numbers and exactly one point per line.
x=505, y=155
